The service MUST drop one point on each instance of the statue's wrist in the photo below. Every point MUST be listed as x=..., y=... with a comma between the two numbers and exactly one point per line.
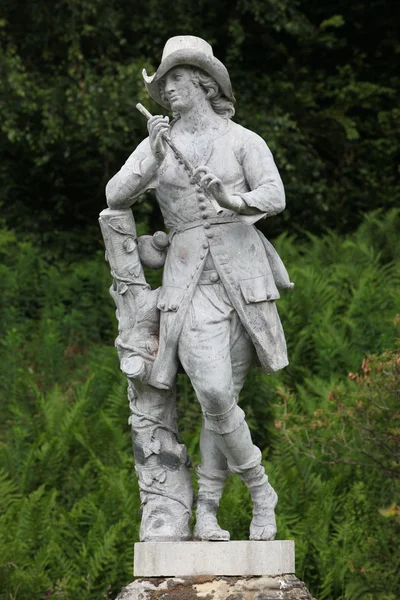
x=159, y=159
x=152, y=163
x=237, y=204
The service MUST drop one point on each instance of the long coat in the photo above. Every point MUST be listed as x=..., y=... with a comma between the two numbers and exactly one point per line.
x=244, y=163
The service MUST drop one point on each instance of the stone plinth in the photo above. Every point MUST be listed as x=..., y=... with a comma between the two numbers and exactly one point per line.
x=280, y=587
x=186, y=559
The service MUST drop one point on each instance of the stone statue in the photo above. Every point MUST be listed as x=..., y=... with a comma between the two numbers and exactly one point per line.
x=215, y=313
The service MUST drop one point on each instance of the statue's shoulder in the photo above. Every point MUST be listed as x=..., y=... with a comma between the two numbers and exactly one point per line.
x=245, y=138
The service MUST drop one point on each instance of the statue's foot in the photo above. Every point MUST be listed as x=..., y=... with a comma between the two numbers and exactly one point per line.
x=208, y=530
x=263, y=524
x=265, y=533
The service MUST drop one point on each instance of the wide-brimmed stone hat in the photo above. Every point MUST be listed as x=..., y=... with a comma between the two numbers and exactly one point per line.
x=188, y=50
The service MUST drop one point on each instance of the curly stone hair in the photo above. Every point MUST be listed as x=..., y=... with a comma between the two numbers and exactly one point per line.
x=219, y=102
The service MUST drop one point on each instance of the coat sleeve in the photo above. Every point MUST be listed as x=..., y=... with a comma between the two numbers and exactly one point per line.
x=138, y=175
x=266, y=193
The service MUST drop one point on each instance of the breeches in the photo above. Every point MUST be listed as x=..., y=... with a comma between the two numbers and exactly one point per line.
x=216, y=353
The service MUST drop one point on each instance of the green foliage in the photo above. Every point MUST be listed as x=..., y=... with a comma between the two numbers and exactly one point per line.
x=348, y=440
x=344, y=301
x=305, y=73
x=69, y=500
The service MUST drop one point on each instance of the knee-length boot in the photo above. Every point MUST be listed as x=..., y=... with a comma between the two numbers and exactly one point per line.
x=211, y=485
x=264, y=497
x=245, y=459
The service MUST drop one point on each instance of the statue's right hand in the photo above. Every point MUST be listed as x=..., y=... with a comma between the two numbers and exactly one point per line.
x=158, y=126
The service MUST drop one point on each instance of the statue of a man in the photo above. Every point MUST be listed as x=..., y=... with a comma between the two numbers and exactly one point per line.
x=220, y=278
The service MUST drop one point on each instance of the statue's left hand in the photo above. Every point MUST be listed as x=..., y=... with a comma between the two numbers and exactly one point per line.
x=215, y=186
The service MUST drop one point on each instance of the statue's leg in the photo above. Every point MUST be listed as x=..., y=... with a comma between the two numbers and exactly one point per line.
x=204, y=336
x=213, y=472
x=264, y=497
x=208, y=350
x=212, y=475
x=245, y=459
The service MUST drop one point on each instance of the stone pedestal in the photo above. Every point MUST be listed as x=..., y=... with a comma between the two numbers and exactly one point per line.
x=280, y=587
x=187, y=559
x=215, y=571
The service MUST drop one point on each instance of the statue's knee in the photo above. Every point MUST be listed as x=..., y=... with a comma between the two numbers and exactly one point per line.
x=224, y=422
x=218, y=397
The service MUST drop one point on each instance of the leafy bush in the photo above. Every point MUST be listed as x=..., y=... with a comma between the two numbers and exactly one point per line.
x=342, y=444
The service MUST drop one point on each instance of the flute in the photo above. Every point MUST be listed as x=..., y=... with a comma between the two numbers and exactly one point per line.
x=180, y=158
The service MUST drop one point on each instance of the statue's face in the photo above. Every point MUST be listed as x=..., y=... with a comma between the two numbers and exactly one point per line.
x=181, y=91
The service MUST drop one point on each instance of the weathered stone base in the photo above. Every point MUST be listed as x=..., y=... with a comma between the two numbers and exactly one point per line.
x=188, y=559
x=282, y=587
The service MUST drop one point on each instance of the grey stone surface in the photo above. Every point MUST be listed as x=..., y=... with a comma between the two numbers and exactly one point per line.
x=161, y=461
x=280, y=587
x=213, y=558
x=215, y=314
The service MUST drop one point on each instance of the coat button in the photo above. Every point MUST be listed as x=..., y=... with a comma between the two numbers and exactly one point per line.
x=174, y=307
x=214, y=277
x=200, y=197
x=162, y=305
x=204, y=216
x=202, y=206
x=205, y=246
x=206, y=225
x=209, y=234
x=201, y=256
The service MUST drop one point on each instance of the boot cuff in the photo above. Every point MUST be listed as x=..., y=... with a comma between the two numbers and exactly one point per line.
x=215, y=475
x=250, y=464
